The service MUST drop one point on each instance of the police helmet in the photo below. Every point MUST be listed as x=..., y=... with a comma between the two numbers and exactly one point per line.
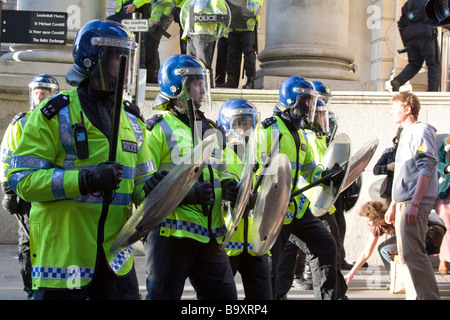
x=42, y=81
x=298, y=96
x=181, y=77
x=96, y=50
x=238, y=118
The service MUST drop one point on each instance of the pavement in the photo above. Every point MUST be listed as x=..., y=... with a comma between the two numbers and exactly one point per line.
x=371, y=283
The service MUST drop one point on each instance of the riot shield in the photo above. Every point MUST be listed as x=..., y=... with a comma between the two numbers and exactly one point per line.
x=234, y=214
x=323, y=197
x=162, y=200
x=271, y=204
x=359, y=161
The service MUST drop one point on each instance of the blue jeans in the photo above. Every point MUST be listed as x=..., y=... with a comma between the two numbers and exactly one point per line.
x=387, y=250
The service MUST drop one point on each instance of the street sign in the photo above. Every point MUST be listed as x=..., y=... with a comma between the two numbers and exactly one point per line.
x=136, y=25
x=34, y=27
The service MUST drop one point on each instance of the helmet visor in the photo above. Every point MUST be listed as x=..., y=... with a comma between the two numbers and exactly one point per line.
x=322, y=119
x=104, y=76
x=243, y=123
x=196, y=85
x=38, y=92
x=305, y=106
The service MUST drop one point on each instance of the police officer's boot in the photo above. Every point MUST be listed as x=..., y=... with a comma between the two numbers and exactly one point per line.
x=232, y=82
x=250, y=83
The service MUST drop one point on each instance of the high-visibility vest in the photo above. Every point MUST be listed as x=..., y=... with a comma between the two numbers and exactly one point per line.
x=254, y=6
x=304, y=169
x=137, y=3
x=170, y=139
x=11, y=140
x=65, y=227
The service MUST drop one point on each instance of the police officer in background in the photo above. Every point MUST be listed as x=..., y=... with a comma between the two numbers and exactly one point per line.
x=187, y=243
x=242, y=39
x=203, y=23
x=61, y=165
x=40, y=88
x=421, y=44
x=297, y=102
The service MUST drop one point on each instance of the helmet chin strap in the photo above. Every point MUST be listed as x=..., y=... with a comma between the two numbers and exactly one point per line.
x=297, y=122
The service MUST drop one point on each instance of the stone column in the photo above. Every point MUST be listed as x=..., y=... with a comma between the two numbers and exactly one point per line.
x=306, y=38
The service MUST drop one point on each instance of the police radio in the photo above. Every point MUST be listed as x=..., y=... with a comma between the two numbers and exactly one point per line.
x=81, y=139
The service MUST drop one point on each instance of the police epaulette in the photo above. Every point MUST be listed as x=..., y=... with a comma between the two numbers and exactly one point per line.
x=150, y=123
x=134, y=110
x=55, y=105
x=17, y=117
x=268, y=122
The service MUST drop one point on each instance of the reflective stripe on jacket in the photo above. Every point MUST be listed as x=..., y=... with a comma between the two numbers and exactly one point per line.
x=11, y=140
x=304, y=171
x=64, y=225
x=170, y=139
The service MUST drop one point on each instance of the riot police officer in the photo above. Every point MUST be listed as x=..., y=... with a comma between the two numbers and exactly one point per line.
x=40, y=88
x=187, y=243
x=297, y=103
x=239, y=119
x=61, y=164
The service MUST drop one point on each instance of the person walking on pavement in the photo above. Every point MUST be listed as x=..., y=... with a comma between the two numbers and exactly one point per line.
x=62, y=166
x=40, y=88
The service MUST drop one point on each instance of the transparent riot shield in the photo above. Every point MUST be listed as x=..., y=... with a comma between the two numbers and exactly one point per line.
x=271, y=204
x=323, y=197
x=161, y=201
x=234, y=214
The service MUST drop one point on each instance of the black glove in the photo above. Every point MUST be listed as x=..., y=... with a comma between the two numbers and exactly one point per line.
x=153, y=181
x=337, y=178
x=230, y=190
x=105, y=177
x=200, y=193
x=10, y=203
x=251, y=201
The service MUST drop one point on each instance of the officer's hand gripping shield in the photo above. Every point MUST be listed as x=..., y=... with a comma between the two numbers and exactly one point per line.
x=207, y=20
x=271, y=204
x=162, y=200
x=234, y=214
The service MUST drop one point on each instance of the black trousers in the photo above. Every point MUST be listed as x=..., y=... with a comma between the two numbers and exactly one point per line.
x=313, y=238
x=241, y=43
x=170, y=261
x=255, y=274
x=420, y=50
